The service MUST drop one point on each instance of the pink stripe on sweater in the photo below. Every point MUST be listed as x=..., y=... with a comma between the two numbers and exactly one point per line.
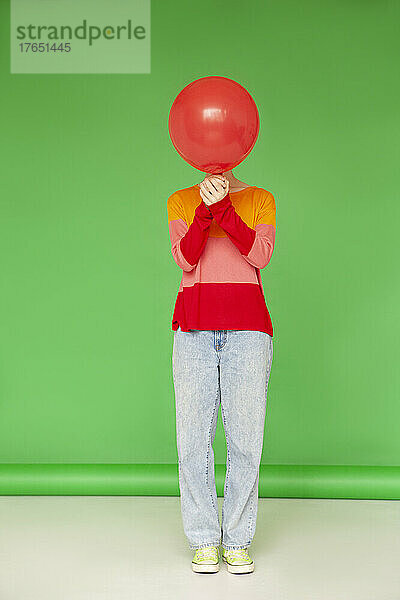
x=221, y=262
x=263, y=246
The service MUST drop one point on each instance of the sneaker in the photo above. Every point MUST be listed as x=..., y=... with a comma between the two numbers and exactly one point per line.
x=238, y=560
x=206, y=560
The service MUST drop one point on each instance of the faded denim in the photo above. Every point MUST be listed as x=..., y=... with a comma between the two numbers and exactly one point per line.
x=231, y=368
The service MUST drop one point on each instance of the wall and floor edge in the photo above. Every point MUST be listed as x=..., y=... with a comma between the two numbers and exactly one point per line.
x=276, y=481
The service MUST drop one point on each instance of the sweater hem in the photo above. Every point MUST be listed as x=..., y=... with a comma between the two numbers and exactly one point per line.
x=227, y=327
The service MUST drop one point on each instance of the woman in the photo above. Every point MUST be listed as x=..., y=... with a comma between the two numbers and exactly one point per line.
x=222, y=233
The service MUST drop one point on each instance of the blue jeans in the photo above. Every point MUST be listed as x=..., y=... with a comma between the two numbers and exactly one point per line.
x=231, y=368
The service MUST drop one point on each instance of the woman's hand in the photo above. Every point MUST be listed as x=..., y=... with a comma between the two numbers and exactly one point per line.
x=213, y=188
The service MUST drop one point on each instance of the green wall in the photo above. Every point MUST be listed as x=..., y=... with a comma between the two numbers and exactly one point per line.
x=87, y=279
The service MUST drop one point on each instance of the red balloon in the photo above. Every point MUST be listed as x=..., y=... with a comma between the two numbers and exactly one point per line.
x=213, y=123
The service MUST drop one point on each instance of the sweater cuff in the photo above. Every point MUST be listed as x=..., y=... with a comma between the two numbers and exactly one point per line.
x=221, y=205
x=203, y=211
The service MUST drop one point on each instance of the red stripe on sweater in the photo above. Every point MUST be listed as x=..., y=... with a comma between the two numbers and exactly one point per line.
x=222, y=306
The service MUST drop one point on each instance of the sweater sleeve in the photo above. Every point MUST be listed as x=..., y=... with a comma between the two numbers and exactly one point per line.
x=187, y=241
x=256, y=245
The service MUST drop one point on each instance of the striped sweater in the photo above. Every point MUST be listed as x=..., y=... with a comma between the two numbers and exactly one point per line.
x=221, y=249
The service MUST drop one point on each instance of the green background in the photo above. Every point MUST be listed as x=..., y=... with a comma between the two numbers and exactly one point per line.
x=88, y=282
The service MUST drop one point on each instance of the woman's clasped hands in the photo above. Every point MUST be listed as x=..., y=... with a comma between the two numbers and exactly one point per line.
x=213, y=188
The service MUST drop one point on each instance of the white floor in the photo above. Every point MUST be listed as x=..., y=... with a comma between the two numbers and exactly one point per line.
x=120, y=548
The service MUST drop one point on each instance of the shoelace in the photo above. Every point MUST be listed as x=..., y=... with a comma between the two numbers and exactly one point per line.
x=207, y=552
x=238, y=553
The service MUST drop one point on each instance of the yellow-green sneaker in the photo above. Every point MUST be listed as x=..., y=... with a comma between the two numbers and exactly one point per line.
x=238, y=560
x=206, y=560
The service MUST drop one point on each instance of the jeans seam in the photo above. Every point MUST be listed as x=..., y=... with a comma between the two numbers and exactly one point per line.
x=252, y=504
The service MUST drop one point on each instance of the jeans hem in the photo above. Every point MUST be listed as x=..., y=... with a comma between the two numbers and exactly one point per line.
x=204, y=544
x=232, y=547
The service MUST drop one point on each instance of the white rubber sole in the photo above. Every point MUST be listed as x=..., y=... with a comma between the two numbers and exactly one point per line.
x=205, y=568
x=239, y=568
